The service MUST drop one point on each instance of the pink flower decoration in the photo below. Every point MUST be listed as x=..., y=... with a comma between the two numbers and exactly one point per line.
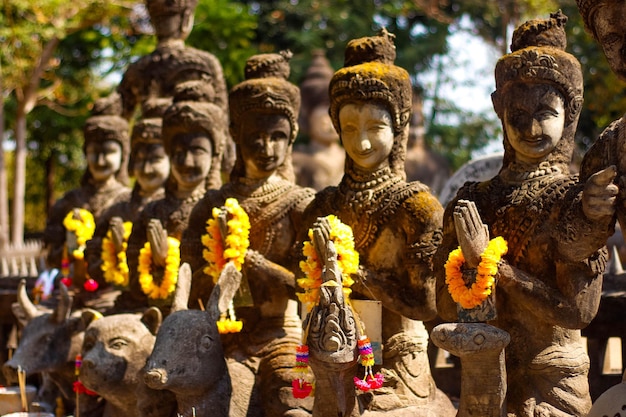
x=300, y=388
x=81, y=389
x=90, y=285
x=369, y=382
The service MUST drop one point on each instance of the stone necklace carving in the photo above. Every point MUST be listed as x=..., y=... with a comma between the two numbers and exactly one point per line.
x=369, y=200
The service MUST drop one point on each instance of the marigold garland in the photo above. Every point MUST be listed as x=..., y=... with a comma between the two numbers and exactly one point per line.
x=114, y=265
x=347, y=259
x=472, y=297
x=236, y=242
x=83, y=227
x=170, y=275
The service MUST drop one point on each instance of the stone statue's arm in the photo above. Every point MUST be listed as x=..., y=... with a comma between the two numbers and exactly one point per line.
x=587, y=216
x=136, y=241
x=262, y=271
x=409, y=291
x=572, y=304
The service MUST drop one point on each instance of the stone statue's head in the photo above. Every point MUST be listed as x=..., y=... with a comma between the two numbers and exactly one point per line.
x=606, y=21
x=171, y=19
x=193, y=113
x=538, y=57
x=265, y=90
x=314, y=92
x=369, y=75
x=107, y=124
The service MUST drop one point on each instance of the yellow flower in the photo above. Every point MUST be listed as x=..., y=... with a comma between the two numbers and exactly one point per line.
x=219, y=250
x=83, y=227
x=170, y=275
x=114, y=265
x=477, y=293
x=347, y=260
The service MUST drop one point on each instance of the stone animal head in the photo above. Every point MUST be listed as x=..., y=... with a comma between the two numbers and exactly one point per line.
x=115, y=349
x=50, y=340
x=187, y=357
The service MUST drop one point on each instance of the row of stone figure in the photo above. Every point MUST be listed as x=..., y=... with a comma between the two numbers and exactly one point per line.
x=535, y=233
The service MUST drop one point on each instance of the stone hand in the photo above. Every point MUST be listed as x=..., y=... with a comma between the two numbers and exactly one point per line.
x=600, y=194
x=321, y=235
x=116, y=227
x=157, y=236
x=331, y=271
x=471, y=232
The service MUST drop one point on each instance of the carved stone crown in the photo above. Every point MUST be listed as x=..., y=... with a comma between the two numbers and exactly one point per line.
x=266, y=89
x=169, y=7
x=106, y=122
x=539, y=56
x=146, y=131
x=192, y=112
x=369, y=74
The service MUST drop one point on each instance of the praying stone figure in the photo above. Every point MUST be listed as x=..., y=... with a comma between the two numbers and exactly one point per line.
x=396, y=225
x=193, y=136
x=319, y=163
x=263, y=123
x=150, y=166
x=172, y=62
x=547, y=286
x=104, y=183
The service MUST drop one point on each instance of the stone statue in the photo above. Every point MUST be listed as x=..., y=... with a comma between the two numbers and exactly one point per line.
x=604, y=19
x=396, y=225
x=172, y=62
x=191, y=337
x=193, y=136
x=150, y=166
x=114, y=351
x=548, y=285
x=421, y=163
x=320, y=162
x=103, y=184
x=263, y=114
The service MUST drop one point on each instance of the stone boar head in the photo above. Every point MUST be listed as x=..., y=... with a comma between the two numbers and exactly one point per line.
x=114, y=350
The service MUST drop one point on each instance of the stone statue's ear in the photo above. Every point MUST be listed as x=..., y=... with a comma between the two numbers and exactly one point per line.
x=152, y=319
x=183, y=287
x=224, y=291
x=88, y=316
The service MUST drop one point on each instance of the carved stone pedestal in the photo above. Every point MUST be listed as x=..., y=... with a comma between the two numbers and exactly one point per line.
x=483, y=373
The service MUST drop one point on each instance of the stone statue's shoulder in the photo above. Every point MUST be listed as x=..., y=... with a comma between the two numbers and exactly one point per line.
x=421, y=203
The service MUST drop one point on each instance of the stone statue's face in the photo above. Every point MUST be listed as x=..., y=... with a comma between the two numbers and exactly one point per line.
x=264, y=143
x=534, y=119
x=321, y=127
x=609, y=24
x=169, y=26
x=190, y=159
x=151, y=166
x=366, y=134
x=104, y=159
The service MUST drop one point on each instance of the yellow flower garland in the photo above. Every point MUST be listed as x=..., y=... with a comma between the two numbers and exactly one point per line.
x=83, y=228
x=347, y=259
x=237, y=241
x=471, y=297
x=114, y=265
x=170, y=276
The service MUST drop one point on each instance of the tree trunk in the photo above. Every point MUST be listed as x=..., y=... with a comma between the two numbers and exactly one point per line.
x=4, y=197
x=19, y=180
